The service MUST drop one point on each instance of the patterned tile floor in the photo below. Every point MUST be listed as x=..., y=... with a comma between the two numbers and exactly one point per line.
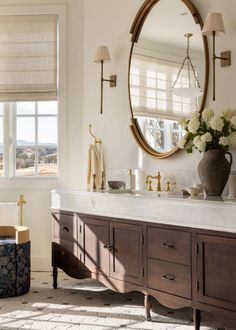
x=86, y=304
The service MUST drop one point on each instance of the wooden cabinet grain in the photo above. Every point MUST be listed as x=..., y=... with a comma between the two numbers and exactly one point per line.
x=178, y=266
x=95, y=238
x=126, y=252
x=113, y=249
x=217, y=271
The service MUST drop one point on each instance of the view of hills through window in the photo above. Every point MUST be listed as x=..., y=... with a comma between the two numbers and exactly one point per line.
x=33, y=140
x=36, y=138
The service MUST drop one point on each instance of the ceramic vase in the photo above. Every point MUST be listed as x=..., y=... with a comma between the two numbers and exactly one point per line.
x=214, y=170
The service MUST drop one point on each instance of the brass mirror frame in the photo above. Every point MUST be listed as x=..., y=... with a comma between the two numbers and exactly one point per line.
x=135, y=30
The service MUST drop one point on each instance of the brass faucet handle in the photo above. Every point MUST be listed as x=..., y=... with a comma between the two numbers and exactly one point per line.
x=167, y=185
x=150, y=185
x=158, y=181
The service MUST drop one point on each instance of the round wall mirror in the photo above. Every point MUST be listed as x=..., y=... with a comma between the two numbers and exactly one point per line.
x=168, y=73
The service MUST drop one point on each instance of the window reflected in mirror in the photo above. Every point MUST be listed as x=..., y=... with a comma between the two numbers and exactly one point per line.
x=158, y=67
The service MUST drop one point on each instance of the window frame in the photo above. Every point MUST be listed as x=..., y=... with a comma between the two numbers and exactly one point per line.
x=36, y=146
x=9, y=178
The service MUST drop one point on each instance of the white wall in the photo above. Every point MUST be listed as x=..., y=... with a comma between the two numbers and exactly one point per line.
x=37, y=192
x=92, y=23
x=108, y=22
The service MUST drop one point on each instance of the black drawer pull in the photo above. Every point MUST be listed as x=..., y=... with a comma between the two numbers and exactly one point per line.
x=168, y=277
x=65, y=228
x=107, y=246
x=168, y=246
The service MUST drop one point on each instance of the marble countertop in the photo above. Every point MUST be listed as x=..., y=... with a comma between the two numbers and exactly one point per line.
x=214, y=213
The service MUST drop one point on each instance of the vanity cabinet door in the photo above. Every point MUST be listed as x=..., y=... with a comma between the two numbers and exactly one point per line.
x=95, y=245
x=126, y=252
x=65, y=231
x=217, y=271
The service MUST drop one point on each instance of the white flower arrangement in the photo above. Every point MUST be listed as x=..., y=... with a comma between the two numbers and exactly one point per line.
x=209, y=131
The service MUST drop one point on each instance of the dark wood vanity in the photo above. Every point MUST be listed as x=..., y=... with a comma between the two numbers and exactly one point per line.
x=178, y=266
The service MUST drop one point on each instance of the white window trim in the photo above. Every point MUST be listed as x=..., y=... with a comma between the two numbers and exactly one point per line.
x=10, y=181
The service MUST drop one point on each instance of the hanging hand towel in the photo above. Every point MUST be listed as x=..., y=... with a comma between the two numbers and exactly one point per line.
x=96, y=168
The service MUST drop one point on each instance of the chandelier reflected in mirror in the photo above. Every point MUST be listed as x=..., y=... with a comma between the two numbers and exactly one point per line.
x=193, y=88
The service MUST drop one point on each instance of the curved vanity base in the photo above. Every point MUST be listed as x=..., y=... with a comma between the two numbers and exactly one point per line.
x=177, y=266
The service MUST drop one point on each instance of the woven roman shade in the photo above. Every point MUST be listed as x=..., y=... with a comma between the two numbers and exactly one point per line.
x=28, y=57
x=151, y=81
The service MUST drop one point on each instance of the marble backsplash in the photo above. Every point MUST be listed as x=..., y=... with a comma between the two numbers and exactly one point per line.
x=179, y=179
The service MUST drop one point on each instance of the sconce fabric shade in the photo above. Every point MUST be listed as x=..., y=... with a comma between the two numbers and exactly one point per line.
x=102, y=54
x=213, y=23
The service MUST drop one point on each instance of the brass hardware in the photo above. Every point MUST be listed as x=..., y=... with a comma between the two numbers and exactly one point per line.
x=150, y=185
x=167, y=185
x=149, y=182
x=168, y=246
x=103, y=181
x=158, y=181
x=112, y=80
x=21, y=203
x=168, y=277
x=225, y=58
x=94, y=182
x=65, y=228
x=102, y=56
x=97, y=141
x=107, y=246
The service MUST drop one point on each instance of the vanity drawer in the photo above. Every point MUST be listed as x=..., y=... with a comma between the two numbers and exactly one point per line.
x=169, y=277
x=65, y=227
x=169, y=245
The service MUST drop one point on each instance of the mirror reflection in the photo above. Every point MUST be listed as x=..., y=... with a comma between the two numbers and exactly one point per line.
x=164, y=84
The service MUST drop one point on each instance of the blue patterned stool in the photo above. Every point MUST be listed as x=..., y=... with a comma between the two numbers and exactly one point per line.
x=14, y=261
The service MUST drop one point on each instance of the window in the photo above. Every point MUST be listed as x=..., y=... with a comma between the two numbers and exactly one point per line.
x=35, y=148
x=151, y=82
x=154, y=105
x=31, y=139
x=28, y=95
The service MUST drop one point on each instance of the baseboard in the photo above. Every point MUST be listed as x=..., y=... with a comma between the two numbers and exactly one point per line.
x=42, y=263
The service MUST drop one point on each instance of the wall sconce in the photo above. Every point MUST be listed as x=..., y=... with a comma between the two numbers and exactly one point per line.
x=214, y=26
x=103, y=56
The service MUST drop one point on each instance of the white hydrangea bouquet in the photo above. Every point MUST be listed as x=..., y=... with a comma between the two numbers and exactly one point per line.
x=208, y=131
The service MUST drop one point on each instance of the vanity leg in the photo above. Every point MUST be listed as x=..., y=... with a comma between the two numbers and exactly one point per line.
x=54, y=275
x=197, y=318
x=147, y=308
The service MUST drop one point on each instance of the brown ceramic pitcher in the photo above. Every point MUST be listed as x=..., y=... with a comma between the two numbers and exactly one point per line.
x=214, y=170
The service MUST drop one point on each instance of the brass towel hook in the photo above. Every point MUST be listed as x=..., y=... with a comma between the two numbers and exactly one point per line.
x=20, y=203
x=97, y=141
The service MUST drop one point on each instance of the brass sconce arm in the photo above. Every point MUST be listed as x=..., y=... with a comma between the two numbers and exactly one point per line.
x=102, y=56
x=225, y=61
x=214, y=26
x=112, y=82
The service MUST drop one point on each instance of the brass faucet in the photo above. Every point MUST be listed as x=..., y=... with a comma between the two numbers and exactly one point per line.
x=149, y=182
